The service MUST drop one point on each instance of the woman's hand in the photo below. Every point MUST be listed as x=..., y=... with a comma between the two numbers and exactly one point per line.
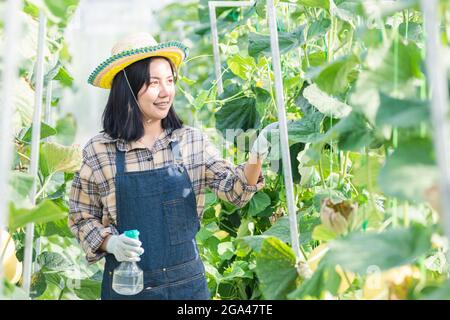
x=124, y=248
x=262, y=144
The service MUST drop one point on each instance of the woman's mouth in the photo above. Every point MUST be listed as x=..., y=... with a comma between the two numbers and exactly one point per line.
x=162, y=105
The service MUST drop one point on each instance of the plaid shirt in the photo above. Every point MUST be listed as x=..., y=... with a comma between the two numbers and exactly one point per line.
x=92, y=214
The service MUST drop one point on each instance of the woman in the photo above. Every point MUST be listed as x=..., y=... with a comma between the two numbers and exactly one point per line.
x=147, y=171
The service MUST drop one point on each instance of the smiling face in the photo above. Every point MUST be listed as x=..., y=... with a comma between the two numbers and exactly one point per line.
x=156, y=99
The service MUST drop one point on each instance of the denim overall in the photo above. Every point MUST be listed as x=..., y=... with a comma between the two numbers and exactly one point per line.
x=161, y=204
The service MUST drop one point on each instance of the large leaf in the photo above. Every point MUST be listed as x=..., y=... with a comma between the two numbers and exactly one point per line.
x=324, y=4
x=52, y=261
x=401, y=113
x=241, y=66
x=46, y=211
x=46, y=131
x=276, y=256
x=88, y=289
x=307, y=129
x=21, y=184
x=393, y=66
x=62, y=10
x=258, y=203
x=326, y=104
x=334, y=78
x=306, y=224
x=66, y=128
x=260, y=44
x=318, y=28
x=240, y=113
x=409, y=170
x=359, y=252
x=353, y=132
x=55, y=158
x=38, y=284
x=64, y=77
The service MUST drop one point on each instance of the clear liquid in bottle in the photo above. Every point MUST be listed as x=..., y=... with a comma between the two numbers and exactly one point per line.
x=128, y=279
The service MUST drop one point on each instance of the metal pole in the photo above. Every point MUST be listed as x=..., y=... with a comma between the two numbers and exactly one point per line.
x=8, y=82
x=215, y=38
x=271, y=14
x=437, y=77
x=47, y=120
x=35, y=143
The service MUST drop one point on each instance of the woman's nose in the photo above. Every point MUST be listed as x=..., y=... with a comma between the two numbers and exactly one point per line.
x=163, y=91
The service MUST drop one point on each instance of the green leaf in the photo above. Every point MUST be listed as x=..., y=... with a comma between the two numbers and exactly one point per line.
x=318, y=28
x=409, y=170
x=240, y=113
x=388, y=249
x=258, y=203
x=58, y=227
x=46, y=131
x=391, y=70
x=201, y=99
x=38, y=284
x=324, y=4
x=307, y=129
x=281, y=229
x=241, y=66
x=89, y=289
x=55, y=158
x=46, y=211
x=276, y=255
x=401, y=113
x=225, y=250
x=326, y=104
x=64, y=77
x=254, y=242
x=440, y=293
x=21, y=184
x=353, y=132
x=61, y=9
x=66, y=128
x=52, y=261
x=260, y=44
x=335, y=78
x=322, y=233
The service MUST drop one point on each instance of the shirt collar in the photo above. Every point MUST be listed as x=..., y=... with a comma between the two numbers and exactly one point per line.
x=122, y=145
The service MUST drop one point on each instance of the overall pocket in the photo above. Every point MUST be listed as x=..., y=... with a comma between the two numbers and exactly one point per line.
x=181, y=220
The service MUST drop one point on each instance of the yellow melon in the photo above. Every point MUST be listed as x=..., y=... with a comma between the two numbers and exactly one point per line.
x=8, y=242
x=12, y=267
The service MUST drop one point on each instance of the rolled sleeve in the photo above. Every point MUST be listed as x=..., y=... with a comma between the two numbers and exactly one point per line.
x=227, y=180
x=86, y=213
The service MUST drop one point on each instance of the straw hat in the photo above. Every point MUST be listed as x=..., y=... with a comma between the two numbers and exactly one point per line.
x=133, y=48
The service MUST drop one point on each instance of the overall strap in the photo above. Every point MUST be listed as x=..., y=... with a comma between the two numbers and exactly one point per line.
x=120, y=161
x=174, y=145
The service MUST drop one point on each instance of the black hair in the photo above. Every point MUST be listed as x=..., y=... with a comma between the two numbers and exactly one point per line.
x=122, y=117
